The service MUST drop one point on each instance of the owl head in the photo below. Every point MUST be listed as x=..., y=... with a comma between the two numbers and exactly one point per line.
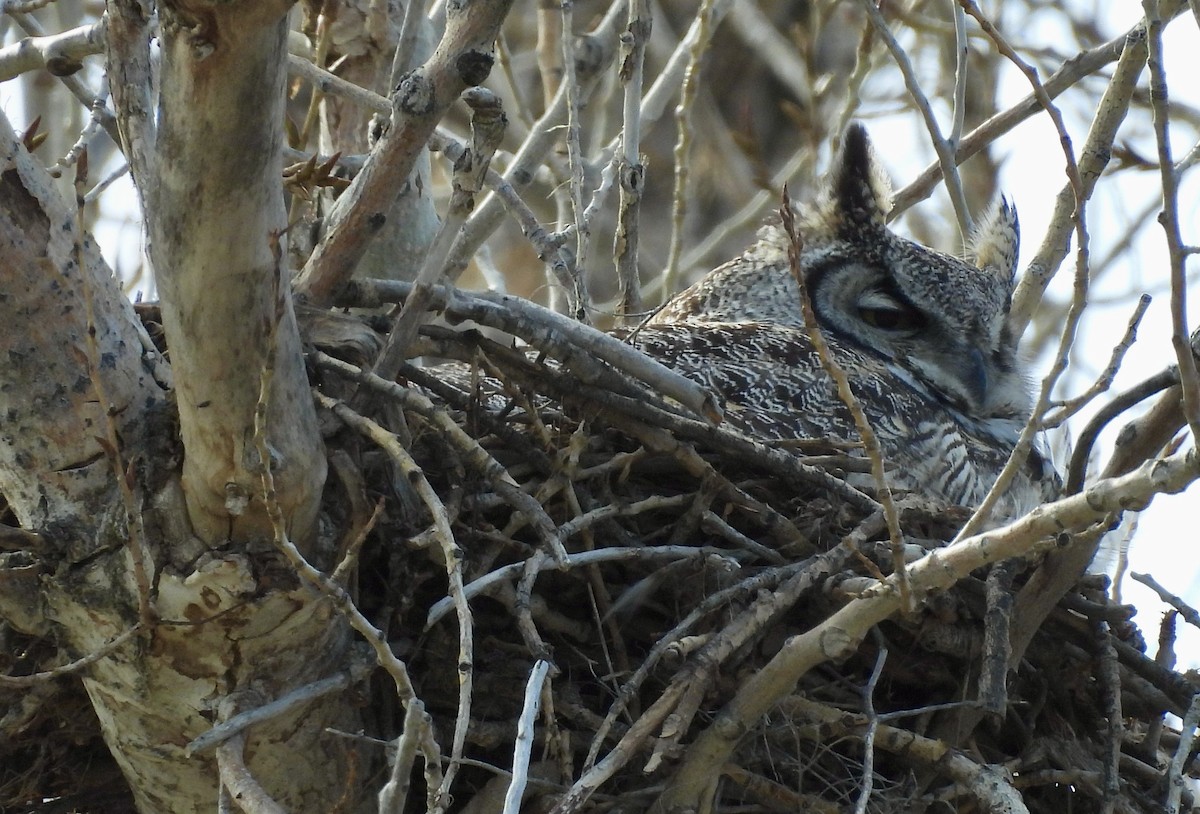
x=943, y=319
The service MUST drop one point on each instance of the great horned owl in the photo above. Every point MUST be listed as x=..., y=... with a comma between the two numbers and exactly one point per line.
x=923, y=337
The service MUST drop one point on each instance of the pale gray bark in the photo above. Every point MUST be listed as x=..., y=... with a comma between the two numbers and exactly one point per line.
x=215, y=227
x=52, y=464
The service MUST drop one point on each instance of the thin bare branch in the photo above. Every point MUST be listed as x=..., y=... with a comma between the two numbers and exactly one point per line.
x=240, y=722
x=868, y=696
x=561, y=337
x=523, y=747
x=630, y=172
x=33, y=679
x=60, y=54
x=1189, y=379
x=452, y=556
x=688, y=95
x=870, y=440
x=462, y=59
x=944, y=149
x=394, y=794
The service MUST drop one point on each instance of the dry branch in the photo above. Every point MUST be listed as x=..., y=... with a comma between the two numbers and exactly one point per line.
x=463, y=58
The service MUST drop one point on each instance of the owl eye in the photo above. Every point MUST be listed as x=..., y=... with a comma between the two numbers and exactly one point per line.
x=882, y=311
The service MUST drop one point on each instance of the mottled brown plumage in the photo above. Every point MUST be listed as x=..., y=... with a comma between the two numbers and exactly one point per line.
x=922, y=336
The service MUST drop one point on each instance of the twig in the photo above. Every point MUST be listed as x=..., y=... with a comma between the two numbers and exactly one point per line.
x=1189, y=380
x=73, y=83
x=240, y=722
x=1072, y=406
x=545, y=132
x=630, y=172
x=468, y=447
x=582, y=558
x=1081, y=454
x=669, y=78
x=1081, y=192
x=1189, y=614
x=1081, y=177
x=452, y=556
x=549, y=247
x=922, y=710
x=523, y=746
x=238, y=781
x=1147, y=435
x=838, y=636
x=523, y=603
x=870, y=441
x=622, y=753
x=688, y=94
x=577, y=300
x=601, y=513
x=1164, y=657
x=33, y=679
x=97, y=112
x=945, y=150
x=695, y=675
x=320, y=57
x=105, y=183
x=826, y=563
x=328, y=83
x=989, y=785
x=1109, y=676
x=487, y=129
x=868, y=697
x=751, y=213
x=1085, y=64
x=352, y=542
x=961, y=51
x=462, y=59
x=549, y=331
x=713, y=523
x=661, y=431
x=326, y=586
x=394, y=794
x=1187, y=734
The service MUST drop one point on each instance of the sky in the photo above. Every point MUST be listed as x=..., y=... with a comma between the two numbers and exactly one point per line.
x=1167, y=540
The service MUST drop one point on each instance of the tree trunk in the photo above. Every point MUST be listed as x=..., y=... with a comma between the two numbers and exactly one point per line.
x=191, y=552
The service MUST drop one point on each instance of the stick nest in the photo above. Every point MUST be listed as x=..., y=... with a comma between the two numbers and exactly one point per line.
x=657, y=561
x=671, y=562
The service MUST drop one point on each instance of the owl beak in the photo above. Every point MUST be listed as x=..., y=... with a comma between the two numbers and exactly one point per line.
x=961, y=375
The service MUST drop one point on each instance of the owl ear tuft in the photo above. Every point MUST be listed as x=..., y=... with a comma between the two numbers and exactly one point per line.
x=860, y=191
x=997, y=241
